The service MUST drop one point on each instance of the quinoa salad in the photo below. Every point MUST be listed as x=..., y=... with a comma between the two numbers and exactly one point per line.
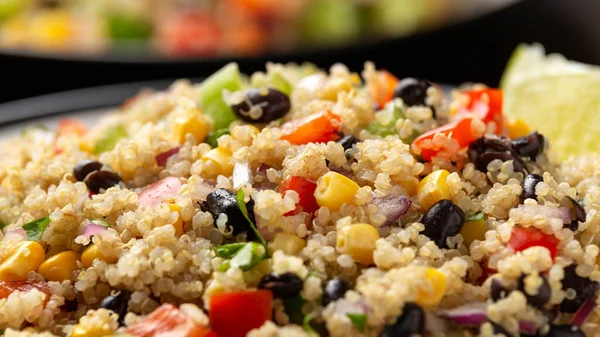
x=298, y=202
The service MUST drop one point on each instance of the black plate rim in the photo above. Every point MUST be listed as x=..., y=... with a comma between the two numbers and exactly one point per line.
x=106, y=96
x=155, y=58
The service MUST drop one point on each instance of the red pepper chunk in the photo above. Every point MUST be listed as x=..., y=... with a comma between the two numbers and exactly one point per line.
x=522, y=238
x=235, y=314
x=71, y=126
x=485, y=104
x=383, y=90
x=319, y=127
x=8, y=287
x=168, y=321
x=459, y=130
x=305, y=189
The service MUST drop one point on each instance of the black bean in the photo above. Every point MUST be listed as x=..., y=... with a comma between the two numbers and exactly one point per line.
x=412, y=321
x=490, y=147
x=413, y=91
x=223, y=201
x=442, y=220
x=101, y=180
x=498, y=330
x=262, y=105
x=497, y=290
x=564, y=330
x=348, y=142
x=334, y=290
x=529, y=146
x=284, y=285
x=543, y=292
x=85, y=167
x=528, y=184
x=118, y=303
x=583, y=286
x=578, y=214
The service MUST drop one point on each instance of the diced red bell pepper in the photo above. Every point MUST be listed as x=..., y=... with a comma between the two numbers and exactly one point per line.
x=235, y=314
x=383, y=90
x=319, y=127
x=522, y=238
x=71, y=126
x=486, y=272
x=485, y=104
x=189, y=34
x=305, y=189
x=8, y=287
x=459, y=130
x=168, y=321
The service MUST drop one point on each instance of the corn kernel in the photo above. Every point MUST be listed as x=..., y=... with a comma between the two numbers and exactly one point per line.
x=60, y=267
x=288, y=243
x=358, y=241
x=196, y=125
x=473, y=230
x=334, y=190
x=92, y=253
x=254, y=275
x=433, y=188
x=433, y=288
x=96, y=331
x=221, y=157
x=179, y=223
x=517, y=128
x=26, y=256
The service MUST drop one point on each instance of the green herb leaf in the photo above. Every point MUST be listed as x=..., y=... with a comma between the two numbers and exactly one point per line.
x=249, y=256
x=110, y=139
x=239, y=197
x=293, y=308
x=307, y=326
x=385, y=125
x=211, y=138
x=359, y=321
x=475, y=217
x=228, y=251
x=100, y=223
x=38, y=127
x=36, y=228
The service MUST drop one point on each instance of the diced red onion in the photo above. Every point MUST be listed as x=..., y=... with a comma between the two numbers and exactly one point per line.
x=392, y=207
x=469, y=314
x=161, y=158
x=90, y=229
x=584, y=312
x=153, y=194
x=561, y=213
x=200, y=191
x=241, y=174
x=264, y=230
x=262, y=169
x=16, y=231
x=528, y=327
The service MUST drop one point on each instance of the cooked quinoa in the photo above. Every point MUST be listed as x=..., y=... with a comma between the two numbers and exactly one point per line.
x=298, y=202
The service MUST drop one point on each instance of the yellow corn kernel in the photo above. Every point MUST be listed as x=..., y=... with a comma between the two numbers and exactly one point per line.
x=254, y=275
x=334, y=190
x=60, y=267
x=196, y=125
x=92, y=253
x=288, y=243
x=221, y=157
x=517, y=128
x=358, y=241
x=473, y=230
x=433, y=288
x=433, y=188
x=95, y=331
x=52, y=29
x=26, y=256
x=179, y=223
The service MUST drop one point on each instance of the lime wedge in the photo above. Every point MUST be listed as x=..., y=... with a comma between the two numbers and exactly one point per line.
x=557, y=97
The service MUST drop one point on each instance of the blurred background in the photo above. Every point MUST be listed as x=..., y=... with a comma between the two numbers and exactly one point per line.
x=55, y=45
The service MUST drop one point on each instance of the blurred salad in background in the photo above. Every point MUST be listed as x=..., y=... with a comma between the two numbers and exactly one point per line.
x=208, y=28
